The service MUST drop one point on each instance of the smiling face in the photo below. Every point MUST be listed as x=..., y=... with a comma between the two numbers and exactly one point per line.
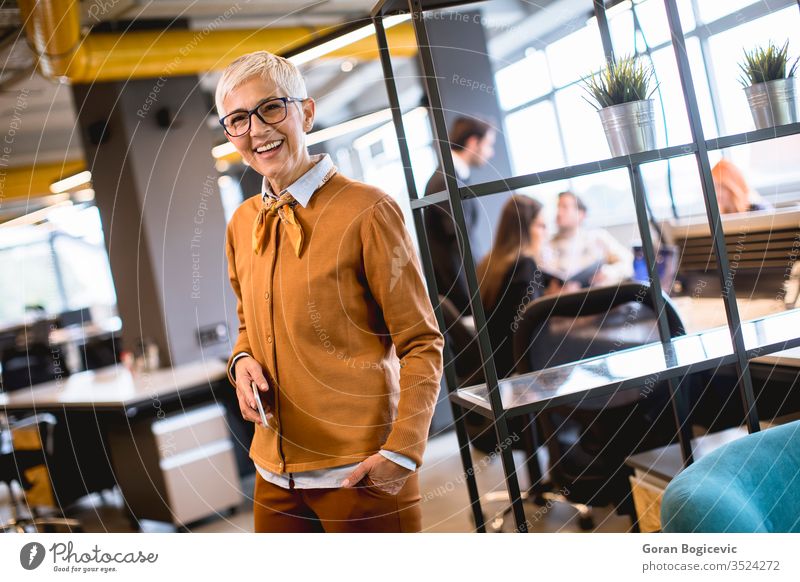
x=569, y=216
x=277, y=152
x=538, y=232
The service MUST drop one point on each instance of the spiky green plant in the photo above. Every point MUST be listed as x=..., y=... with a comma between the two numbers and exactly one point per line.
x=622, y=81
x=766, y=64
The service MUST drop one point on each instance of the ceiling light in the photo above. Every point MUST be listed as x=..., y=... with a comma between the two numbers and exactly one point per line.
x=35, y=216
x=223, y=150
x=71, y=182
x=351, y=126
x=344, y=40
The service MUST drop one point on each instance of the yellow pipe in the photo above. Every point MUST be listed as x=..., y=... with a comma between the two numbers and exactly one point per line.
x=53, y=28
x=34, y=181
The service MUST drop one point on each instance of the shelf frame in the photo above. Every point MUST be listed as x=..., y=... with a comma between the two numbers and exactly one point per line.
x=455, y=195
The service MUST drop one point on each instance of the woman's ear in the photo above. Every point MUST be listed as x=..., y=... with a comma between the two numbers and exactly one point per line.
x=309, y=112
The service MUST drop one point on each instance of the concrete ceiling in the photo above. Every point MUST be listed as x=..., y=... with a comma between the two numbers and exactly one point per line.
x=46, y=132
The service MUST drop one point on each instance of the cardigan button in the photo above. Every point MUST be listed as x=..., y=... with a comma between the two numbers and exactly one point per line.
x=266, y=295
x=269, y=339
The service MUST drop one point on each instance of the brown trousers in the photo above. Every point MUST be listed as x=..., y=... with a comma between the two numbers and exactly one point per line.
x=363, y=508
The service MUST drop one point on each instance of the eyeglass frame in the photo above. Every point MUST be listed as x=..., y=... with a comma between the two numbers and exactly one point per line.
x=254, y=110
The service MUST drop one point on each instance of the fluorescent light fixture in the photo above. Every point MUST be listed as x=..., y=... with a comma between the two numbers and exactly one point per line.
x=346, y=39
x=222, y=150
x=368, y=139
x=35, y=216
x=332, y=45
x=351, y=126
x=71, y=182
x=85, y=195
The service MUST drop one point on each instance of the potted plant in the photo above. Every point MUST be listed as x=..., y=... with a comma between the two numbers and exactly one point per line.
x=770, y=85
x=621, y=93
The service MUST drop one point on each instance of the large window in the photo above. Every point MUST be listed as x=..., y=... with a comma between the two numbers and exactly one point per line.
x=58, y=265
x=548, y=123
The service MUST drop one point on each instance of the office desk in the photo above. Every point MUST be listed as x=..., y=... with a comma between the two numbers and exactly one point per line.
x=788, y=358
x=116, y=389
x=166, y=437
x=700, y=313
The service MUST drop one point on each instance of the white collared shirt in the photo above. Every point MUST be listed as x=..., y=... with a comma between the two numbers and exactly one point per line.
x=303, y=189
x=461, y=167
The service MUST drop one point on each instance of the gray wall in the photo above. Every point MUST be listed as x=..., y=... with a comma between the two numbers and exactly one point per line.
x=461, y=56
x=156, y=189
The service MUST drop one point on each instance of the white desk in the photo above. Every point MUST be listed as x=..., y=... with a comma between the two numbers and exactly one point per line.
x=701, y=313
x=789, y=358
x=165, y=434
x=115, y=387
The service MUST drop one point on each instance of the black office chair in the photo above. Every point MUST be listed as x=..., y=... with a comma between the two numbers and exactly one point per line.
x=461, y=344
x=588, y=442
x=32, y=364
x=14, y=463
x=100, y=352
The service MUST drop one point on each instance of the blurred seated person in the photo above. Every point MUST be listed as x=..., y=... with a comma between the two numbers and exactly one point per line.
x=733, y=193
x=577, y=257
x=472, y=145
x=509, y=277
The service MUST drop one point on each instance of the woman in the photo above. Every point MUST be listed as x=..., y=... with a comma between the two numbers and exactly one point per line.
x=733, y=192
x=509, y=276
x=330, y=297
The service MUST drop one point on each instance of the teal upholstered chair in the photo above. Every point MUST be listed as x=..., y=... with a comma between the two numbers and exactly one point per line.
x=749, y=485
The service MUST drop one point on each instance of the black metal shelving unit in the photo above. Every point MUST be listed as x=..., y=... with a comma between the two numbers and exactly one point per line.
x=667, y=360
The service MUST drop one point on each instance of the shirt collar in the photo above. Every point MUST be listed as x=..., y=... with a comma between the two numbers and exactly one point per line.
x=461, y=168
x=304, y=187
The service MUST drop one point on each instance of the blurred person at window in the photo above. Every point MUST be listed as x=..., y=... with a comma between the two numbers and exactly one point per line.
x=472, y=145
x=733, y=192
x=582, y=257
x=509, y=275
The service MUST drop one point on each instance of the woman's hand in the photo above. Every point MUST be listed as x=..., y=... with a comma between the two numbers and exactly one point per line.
x=248, y=370
x=379, y=472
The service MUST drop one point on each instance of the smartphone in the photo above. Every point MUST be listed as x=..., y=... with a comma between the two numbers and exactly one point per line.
x=259, y=404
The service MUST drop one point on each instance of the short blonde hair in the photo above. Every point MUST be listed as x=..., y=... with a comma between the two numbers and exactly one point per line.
x=262, y=64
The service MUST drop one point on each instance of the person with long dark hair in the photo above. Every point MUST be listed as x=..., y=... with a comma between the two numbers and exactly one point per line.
x=509, y=275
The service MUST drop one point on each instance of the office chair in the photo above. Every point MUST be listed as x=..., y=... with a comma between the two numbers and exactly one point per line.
x=750, y=485
x=13, y=466
x=100, y=352
x=461, y=344
x=588, y=442
x=29, y=365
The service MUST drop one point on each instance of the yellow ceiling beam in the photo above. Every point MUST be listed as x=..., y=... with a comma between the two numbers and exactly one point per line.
x=34, y=181
x=53, y=30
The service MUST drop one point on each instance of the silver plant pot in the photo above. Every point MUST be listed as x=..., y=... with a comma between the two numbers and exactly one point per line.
x=773, y=103
x=630, y=127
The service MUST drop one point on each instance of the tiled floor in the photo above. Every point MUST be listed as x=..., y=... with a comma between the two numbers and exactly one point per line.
x=445, y=502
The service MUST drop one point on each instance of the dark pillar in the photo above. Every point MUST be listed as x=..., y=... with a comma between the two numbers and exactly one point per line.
x=149, y=149
x=466, y=83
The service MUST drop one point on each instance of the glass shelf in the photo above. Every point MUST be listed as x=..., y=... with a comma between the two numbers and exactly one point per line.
x=634, y=367
x=727, y=141
x=565, y=173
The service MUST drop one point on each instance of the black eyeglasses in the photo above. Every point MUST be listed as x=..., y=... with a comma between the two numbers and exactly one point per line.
x=271, y=111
